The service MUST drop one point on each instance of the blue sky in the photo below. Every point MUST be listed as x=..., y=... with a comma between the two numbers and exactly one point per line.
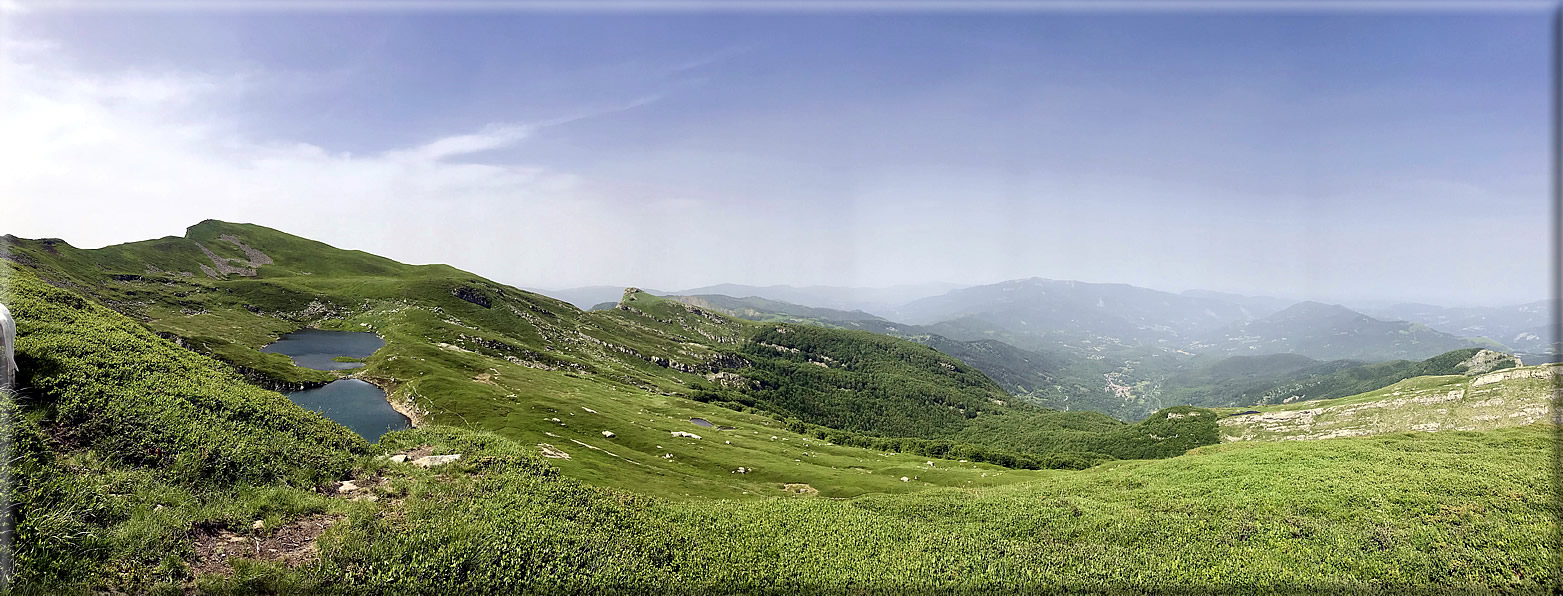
x=1335, y=156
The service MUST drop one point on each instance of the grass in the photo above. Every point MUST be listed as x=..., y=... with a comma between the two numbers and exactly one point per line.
x=1443, y=402
x=1393, y=514
x=126, y=443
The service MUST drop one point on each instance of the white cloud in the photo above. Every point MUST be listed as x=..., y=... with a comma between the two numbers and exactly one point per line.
x=103, y=158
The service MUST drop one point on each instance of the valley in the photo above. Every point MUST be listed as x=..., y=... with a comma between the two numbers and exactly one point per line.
x=673, y=441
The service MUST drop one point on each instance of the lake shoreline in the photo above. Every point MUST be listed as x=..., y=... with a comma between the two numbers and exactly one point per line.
x=407, y=409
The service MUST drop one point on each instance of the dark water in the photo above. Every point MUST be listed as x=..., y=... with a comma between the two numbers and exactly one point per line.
x=355, y=404
x=315, y=348
x=701, y=422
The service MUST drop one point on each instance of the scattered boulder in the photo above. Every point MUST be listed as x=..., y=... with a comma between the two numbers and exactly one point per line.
x=258, y=526
x=905, y=479
x=679, y=433
x=741, y=470
x=608, y=433
x=435, y=460
x=398, y=458
x=346, y=486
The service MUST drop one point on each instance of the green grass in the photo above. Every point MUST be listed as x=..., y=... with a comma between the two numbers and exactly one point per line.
x=1384, y=515
x=1446, y=402
x=125, y=443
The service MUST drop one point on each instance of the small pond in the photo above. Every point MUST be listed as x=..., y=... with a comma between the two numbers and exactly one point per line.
x=355, y=404
x=315, y=348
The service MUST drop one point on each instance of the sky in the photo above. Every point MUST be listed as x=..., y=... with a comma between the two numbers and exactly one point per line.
x=1333, y=155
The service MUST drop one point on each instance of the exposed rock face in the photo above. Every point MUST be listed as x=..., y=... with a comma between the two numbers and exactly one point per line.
x=1485, y=361
x=7, y=349
x=223, y=267
x=472, y=295
x=256, y=258
x=1516, y=373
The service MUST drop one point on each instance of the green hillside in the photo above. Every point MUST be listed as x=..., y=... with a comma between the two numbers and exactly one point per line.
x=1285, y=378
x=143, y=467
x=466, y=351
x=1505, y=398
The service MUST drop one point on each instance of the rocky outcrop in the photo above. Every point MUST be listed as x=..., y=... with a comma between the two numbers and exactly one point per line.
x=1486, y=361
x=256, y=258
x=1517, y=373
x=471, y=294
x=223, y=267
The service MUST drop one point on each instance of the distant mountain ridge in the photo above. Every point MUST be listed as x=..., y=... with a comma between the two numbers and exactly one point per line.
x=1523, y=327
x=763, y=309
x=1332, y=331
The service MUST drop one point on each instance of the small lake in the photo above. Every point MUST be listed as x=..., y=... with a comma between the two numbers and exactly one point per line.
x=355, y=404
x=315, y=348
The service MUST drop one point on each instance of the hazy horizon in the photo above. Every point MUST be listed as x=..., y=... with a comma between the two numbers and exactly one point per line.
x=1338, y=157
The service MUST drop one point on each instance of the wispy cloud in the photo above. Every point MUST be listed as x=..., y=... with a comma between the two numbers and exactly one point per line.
x=101, y=158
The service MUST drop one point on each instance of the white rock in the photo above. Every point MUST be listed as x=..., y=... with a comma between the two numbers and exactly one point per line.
x=679, y=433
x=552, y=452
x=398, y=458
x=930, y=464
x=608, y=433
x=346, y=486
x=258, y=525
x=905, y=479
x=588, y=409
x=435, y=460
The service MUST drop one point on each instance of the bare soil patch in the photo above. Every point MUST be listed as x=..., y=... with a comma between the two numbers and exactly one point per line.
x=292, y=544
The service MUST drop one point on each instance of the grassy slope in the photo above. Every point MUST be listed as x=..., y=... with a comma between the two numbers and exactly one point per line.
x=1428, y=403
x=1411, y=512
x=520, y=361
x=1428, y=511
x=121, y=441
